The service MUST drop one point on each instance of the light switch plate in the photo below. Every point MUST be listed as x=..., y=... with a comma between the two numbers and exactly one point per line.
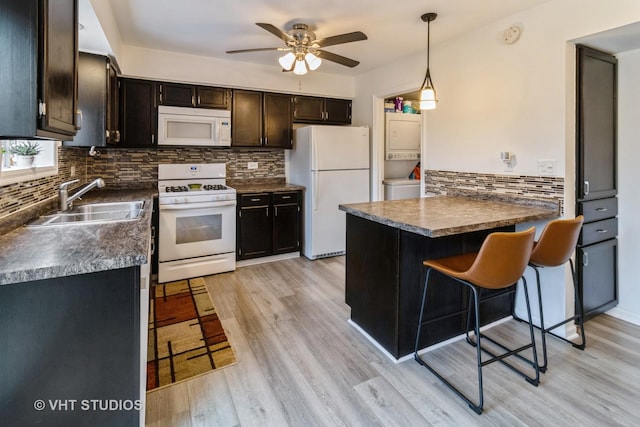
x=252, y=165
x=546, y=167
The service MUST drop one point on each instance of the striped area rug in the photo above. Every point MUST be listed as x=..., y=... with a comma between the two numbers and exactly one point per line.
x=186, y=338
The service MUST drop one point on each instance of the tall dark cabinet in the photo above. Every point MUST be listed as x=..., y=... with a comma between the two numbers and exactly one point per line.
x=98, y=101
x=596, y=180
x=38, y=88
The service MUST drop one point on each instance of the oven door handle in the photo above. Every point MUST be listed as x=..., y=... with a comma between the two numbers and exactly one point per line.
x=186, y=206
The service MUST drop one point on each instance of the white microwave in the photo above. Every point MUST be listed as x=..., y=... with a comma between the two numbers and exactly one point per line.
x=194, y=126
x=402, y=136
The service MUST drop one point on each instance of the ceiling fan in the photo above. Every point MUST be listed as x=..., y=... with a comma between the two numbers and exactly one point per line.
x=304, y=49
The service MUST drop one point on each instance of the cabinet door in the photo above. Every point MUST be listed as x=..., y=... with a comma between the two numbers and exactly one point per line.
x=92, y=100
x=58, y=53
x=278, y=127
x=596, y=124
x=597, y=276
x=286, y=230
x=338, y=111
x=138, y=114
x=308, y=109
x=246, y=119
x=112, y=119
x=212, y=97
x=254, y=232
x=177, y=95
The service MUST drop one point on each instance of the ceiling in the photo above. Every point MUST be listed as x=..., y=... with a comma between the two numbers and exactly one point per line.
x=209, y=28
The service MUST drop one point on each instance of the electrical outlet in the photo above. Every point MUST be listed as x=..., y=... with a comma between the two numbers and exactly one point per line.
x=252, y=165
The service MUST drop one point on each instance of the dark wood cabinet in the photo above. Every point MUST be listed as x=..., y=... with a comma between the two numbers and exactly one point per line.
x=309, y=109
x=596, y=120
x=97, y=83
x=596, y=180
x=138, y=113
x=261, y=120
x=39, y=45
x=268, y=224
x=185, y=95
x=254, y=225
x=278, y=127
x=286, y=222
x=71, y=338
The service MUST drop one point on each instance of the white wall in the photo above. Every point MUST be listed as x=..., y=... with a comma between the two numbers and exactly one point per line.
x=171, y=66
x=628, y=178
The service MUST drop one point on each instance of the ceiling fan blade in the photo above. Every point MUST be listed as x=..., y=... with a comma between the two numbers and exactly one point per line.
x=275, y=31
x=342, y=60
x=342, y=38
x=260, y=49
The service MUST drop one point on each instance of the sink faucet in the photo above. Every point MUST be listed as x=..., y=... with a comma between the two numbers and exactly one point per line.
x=65, y=201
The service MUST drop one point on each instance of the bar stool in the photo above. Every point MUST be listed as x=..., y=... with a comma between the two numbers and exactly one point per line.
x=499, y=264
x=553, y=249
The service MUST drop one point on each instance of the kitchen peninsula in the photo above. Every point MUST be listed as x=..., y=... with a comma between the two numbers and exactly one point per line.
x=386, y=244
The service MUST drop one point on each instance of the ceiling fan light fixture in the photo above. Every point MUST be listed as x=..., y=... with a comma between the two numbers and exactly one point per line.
x=428, y=97
x=313, y=62
x=300, y=68
x=286, y=61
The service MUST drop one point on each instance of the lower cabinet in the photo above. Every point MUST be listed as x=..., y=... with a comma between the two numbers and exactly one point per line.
x=268, y=224
x=597, y=256
x=71, y=350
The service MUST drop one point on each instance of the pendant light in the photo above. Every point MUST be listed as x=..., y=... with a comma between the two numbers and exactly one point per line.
x=428, y=98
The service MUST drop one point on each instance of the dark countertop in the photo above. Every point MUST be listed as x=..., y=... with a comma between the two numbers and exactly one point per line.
x=28, y=254
x=267, y=187
x=448, y=215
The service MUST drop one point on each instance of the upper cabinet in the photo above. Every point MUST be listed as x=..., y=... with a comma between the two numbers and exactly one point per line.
x=38, y=88
x=309, y=109
x=98, y=101
x=138, y=113
x=596, y=119
x=185, y=95
x=261, y=120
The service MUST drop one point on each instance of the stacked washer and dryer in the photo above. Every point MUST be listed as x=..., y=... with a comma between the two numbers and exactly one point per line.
x=402, y=144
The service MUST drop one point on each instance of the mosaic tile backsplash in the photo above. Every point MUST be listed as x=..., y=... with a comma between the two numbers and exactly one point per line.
x=129, y=168
x=542, y=187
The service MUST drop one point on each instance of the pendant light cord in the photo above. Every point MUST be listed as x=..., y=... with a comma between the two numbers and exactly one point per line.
x=427, y=76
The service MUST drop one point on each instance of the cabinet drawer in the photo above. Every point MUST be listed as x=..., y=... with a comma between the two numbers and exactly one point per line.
x=285, y=198
x=599, y=231
x=258, y=199
x=599, y=209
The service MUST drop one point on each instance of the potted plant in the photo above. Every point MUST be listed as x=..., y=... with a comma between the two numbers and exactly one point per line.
x=26, y=152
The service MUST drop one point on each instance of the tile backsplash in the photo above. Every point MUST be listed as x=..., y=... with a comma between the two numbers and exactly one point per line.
x=127, y=168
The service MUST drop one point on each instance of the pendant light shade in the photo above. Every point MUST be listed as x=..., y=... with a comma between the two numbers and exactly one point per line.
x=300, y=68
x=312, y=61
x=428, y=97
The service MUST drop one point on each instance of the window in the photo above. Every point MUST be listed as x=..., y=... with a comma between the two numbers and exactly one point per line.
x=25, y=160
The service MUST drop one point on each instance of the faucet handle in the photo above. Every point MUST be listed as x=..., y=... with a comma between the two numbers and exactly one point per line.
x=64, y=185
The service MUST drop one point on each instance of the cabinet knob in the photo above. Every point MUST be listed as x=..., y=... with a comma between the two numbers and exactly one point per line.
x=586, y=188
x=602, y=209
x=585, y=259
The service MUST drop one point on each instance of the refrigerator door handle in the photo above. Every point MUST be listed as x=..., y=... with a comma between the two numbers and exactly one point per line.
x=315, y=190
x=314, y=150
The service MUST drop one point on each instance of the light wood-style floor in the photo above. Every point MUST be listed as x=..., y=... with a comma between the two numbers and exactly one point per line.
x=302, y=364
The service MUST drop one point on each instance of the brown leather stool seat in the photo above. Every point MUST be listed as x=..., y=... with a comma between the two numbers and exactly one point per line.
x=554, y=248
x=500, y=263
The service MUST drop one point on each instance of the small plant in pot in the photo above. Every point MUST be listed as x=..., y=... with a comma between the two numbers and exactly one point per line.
x=25, y=152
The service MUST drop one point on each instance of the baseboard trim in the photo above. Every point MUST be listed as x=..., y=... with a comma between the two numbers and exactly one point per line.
x=262, y=260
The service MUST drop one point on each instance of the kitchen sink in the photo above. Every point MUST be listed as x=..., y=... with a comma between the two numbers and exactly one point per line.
x=93, y=213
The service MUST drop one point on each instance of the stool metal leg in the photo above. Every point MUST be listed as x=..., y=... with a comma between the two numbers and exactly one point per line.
x=476, y=407
x=578, y=316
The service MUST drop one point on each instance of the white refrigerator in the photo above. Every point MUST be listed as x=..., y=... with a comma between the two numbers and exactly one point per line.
x=332, y=162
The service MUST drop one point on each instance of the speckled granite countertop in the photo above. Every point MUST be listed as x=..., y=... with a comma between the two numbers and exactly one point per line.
x=28, y=254
x=265, y=187
x=446, y=215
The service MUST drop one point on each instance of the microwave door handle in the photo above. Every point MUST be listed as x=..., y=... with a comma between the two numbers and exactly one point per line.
x=217, y=130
